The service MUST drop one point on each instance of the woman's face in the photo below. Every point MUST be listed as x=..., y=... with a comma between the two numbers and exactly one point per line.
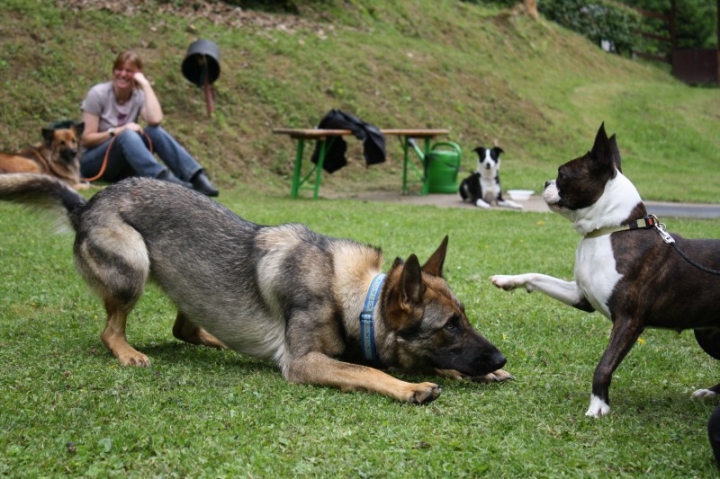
x=125, y=76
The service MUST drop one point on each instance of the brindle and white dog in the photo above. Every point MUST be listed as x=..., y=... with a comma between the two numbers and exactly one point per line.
x=626, y=266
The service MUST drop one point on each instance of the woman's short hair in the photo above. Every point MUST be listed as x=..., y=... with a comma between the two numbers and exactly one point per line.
x=128, y=56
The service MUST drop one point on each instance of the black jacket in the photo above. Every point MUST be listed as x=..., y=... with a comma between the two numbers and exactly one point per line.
x=373, y=140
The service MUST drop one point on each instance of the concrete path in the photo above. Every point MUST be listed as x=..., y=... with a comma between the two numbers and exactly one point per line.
x=536, y=204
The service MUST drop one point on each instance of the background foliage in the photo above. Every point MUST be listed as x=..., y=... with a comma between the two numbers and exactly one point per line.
x=695, y=25
x=599, y=21
x=486, y=73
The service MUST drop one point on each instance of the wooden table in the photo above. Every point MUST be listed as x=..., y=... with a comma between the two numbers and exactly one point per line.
x=416, y=163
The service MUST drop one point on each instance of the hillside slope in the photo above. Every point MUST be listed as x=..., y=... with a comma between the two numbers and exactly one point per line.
x=489, y=76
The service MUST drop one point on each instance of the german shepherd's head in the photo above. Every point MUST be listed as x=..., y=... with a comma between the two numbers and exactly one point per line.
x=56, y=155
x=62, y=144
x=429, y=323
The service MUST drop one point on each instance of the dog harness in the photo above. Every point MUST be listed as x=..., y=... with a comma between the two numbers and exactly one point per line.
x=650, y=221
x=367, y=331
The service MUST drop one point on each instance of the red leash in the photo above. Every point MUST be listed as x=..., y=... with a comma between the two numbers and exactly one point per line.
x=107, y=155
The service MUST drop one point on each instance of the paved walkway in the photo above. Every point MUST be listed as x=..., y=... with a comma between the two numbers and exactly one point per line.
x=536, y=204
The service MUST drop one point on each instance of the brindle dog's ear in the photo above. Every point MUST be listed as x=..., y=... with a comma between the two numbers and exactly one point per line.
x=434, y=265
x=617, y=160
x=411, y=285
x=601, y=153
x=48, y=135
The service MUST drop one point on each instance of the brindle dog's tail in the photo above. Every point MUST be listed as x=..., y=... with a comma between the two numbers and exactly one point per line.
x=43, y=192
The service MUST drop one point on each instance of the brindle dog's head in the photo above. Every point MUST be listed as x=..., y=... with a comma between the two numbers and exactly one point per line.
x=429, y=323
x=63, y=143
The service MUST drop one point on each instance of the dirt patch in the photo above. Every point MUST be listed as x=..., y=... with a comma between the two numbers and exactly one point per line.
x=534, y=204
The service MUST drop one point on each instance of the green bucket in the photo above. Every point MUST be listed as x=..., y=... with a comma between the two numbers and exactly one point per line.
x=443, y=166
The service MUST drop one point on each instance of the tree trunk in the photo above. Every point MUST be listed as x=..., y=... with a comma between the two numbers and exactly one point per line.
x=531, y=8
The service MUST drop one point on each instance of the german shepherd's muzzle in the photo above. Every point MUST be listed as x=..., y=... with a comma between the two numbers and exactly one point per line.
x=282, y=293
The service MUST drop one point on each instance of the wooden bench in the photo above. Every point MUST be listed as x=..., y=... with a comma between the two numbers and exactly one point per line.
x=415, y=163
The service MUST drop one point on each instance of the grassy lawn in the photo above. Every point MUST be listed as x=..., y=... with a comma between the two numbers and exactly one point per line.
x=68, y=408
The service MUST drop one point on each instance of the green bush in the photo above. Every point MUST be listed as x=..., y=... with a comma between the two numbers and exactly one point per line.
x=598, y=21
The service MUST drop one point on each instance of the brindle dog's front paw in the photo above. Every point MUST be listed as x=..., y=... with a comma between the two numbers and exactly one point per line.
x=424, y=393
x=503, y=281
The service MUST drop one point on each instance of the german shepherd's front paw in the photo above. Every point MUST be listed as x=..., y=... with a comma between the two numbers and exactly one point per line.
x=423, y=393
x=494, y=377
x=135, y=358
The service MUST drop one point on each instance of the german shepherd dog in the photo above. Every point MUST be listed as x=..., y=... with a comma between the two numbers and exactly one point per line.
x=281, y=293
x=57, y=155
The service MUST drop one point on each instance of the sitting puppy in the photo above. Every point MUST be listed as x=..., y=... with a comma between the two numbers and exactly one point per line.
x=56, y=156
x=482, y=188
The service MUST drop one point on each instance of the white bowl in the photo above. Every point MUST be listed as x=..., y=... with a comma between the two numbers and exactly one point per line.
x=520, y=195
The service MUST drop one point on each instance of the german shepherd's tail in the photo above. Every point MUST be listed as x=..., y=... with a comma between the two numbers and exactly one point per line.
x=43, y=192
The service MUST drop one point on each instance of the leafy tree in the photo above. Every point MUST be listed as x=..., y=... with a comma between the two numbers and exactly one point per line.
x=695, y=21
x=601, y=21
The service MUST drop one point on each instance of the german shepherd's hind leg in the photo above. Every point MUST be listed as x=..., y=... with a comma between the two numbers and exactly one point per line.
x=185, y=330
x=319, y=369
x=114, y=262
x=113, y=336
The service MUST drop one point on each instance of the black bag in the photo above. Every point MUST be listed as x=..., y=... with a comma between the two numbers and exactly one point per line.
x=373, y=140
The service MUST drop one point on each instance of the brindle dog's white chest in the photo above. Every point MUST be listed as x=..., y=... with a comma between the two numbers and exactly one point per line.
x=596, y=272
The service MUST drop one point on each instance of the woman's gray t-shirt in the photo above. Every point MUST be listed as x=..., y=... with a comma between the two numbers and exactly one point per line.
x=101, y=101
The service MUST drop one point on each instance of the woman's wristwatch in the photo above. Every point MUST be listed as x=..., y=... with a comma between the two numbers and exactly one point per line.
x=111, y=132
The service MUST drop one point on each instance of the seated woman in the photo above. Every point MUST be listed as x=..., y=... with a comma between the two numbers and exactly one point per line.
x=111, y=111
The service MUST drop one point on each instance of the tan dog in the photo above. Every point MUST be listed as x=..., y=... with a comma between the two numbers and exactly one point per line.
x=56, y=156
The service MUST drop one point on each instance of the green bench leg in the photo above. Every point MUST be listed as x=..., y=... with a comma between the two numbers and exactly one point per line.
x=426, y=176
x=298, y=166
x=405, y=164
x=319, y=167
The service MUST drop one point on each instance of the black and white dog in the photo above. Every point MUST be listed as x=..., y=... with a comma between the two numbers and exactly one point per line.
x=482, y=188
x=626, y=266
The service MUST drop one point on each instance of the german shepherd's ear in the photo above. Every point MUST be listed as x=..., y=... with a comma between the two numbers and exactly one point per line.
x=411, y=285
x=79, y=129
x=615, y=153
x=434, y=265
x=48, y=135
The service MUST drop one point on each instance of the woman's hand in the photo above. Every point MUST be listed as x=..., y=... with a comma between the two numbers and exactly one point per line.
x=141, y=80
x=132, y=126
x=151, y=112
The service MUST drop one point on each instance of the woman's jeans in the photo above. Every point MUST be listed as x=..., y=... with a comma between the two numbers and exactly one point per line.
x=130, y=155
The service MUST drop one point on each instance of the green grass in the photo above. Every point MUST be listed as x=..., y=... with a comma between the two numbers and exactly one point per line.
x=69, y=409
x=485, y=74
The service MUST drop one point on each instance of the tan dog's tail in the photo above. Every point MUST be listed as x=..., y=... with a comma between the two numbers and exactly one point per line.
x=43, y=192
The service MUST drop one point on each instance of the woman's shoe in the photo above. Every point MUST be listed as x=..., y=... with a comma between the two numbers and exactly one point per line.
x=202, y=184
x=165, y=175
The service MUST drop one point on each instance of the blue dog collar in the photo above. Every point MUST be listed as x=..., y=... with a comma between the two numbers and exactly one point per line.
x=367, y=331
